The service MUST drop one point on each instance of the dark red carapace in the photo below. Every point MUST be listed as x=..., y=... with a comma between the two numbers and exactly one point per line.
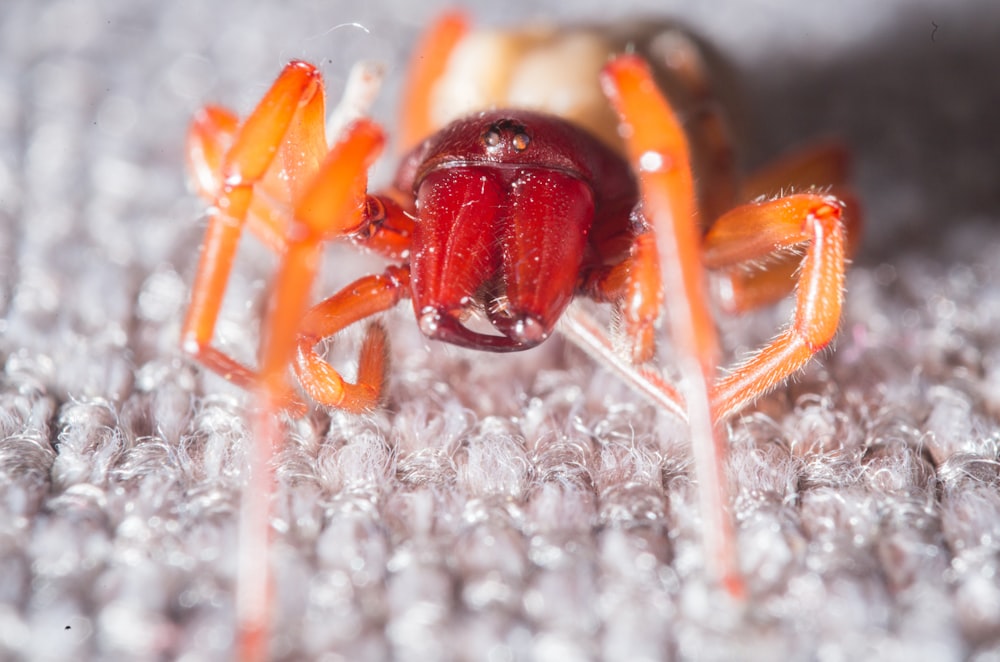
x=514, y=209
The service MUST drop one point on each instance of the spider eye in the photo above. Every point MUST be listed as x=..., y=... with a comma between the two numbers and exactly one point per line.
x=491, y=138
x=506, y=133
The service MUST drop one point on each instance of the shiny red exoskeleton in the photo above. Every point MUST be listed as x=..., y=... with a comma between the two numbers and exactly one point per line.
x=511, y=213
x=552, y=207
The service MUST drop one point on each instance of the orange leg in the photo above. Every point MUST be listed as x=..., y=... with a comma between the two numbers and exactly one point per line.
x=277, y=149
x=824, y=167
x=426, y=67
x=331, y=205
x=242, y=158
x=363, y=298
x=704, y=121
x=210, y=137
x=752, y=232
x=657, y=147
x=634, y=284
x=273, y=168
x=302, y=150
x=297, y=91
x=643, y=296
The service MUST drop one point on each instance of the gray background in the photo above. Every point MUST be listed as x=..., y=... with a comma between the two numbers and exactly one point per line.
x=521, y=507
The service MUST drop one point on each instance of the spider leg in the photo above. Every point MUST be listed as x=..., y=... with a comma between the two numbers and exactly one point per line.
x=587, y=333
x=210, y=136
x=819, y=167
x=331, y=205
x=359, y=300
x=296, y=93
x=752, y=232
x=704, y=120
x=639, y=299
x=362, y=87
x=243, y=157
x=270, y=174
x=634, y=285
x=303, y=148
x=658, y=149
x=427, y=65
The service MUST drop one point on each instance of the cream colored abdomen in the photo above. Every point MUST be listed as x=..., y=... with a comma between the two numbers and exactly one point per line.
x=548, y=70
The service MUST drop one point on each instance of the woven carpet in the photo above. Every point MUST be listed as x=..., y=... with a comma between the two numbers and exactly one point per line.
x=521, y=507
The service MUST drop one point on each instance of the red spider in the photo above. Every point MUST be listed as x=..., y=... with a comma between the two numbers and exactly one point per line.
x=513, y=212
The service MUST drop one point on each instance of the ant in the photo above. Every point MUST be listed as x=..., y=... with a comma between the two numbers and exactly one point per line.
x=514, y=197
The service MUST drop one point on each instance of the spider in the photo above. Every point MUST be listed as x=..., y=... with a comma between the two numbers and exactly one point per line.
x=513, y=212
x=541, y=165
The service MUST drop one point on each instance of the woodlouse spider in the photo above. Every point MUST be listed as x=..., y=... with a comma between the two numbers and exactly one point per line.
x=542, y=190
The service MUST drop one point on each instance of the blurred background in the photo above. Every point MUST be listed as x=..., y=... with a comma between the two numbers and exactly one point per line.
x=108, y=434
